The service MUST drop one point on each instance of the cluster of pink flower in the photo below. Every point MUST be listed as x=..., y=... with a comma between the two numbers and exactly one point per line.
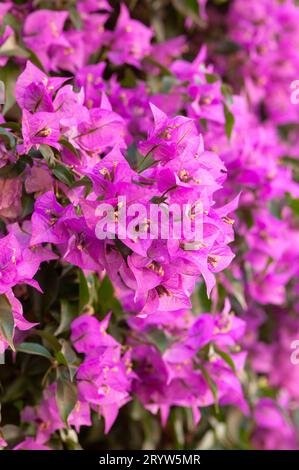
x=102, y=114
x=106, y=379
x=267, y=33
x=267, y=60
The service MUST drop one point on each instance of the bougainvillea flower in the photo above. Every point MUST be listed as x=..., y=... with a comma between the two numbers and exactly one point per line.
x=47, y=225
x=34, y=89
x=47, y=417
x=40, y=128
x=43, y=29
x=168, y=136
x=103, y=129
x=91, y=79
x=130, y=40
x=273, y=429
x=18, y=264
x=105, y=375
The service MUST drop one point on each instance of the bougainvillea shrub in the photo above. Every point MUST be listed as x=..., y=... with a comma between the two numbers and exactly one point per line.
x=149, y=224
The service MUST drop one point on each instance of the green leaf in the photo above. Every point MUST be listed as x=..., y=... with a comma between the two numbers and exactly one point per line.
x=85, y=181
x=164, y=70
x=294, y=204
x=15, y=389
x=10, y=20
x=189, y=9
x=129, y=80
x=47, y=337
x=27, y=205
x=70, y=357
x=66, y=396
x=132, y=156
x=158, y=338
x=63, y=174
x=6, y=321
x=227, y=47
x=60, y=358
x=83, y=291
x=275, y=208
x=48, y=154
x=15, y=126
x=213, y=386
x=13, y=169
x=106, y=298
x=226, y=357
x=204, y=301
x=212, y=77
x=34, y=348
x=75, y=17
x=8, y=137
x=68, y=313
x=65, y=143
x=227, y=92
x=168, y=82
x=35, y=60
x=204, y=124
x=229, y=121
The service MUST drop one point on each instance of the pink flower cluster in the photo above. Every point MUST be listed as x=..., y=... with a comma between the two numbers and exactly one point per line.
x=267, y=32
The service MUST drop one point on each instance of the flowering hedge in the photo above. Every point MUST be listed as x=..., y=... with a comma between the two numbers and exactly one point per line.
x=181, y=342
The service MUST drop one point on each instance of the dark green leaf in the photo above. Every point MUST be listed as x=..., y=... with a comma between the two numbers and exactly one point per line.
x=71, y=358
x=227, y=92
x=129, y=80
x=66, y=396
x=15, y=126
x=106, y=298
x=204, y=301
x=27, y=205
x=75, y=17
x=13, y=169
x=226, y=357
x=48, y=337
x=6, y=321
x=34, y=348
x=189, y=9
x=229, y=121
x=212, y=77
x=60, y=358
x=294, y=204
x=132, y=156
x=10, y=20
x=48, y=154
x=213, y=386
x=69, y=146
x=164, y=70
x=8, y=137
x=158, y=338
x=83, y=291
x=63, y=174
x=227, y=47
x=15, y=390
x=68, y=313
x=85, y=181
